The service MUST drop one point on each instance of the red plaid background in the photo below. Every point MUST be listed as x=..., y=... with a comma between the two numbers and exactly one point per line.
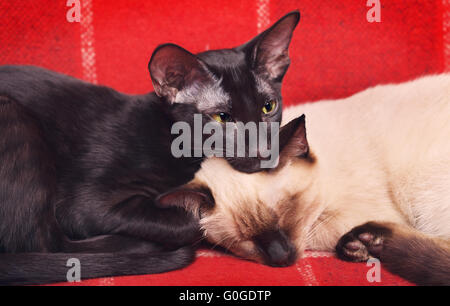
x=335, y=52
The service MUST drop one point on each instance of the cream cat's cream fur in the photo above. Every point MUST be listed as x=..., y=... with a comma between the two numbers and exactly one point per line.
x=380, y=155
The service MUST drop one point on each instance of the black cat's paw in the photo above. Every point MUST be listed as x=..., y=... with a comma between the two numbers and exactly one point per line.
x=363, y=242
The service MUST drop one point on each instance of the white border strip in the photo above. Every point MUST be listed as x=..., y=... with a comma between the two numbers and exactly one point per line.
x=263, y=15
x=87, y=42
x=446, y=32
x=318, y=254
x=306, y=272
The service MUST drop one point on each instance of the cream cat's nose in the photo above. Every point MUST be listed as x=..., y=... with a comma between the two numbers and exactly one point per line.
x=275, y=248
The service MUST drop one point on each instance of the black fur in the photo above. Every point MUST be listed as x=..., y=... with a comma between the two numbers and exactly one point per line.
x=49, y=268
x=63, y=180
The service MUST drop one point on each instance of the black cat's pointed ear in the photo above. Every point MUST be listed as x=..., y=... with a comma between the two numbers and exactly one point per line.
x=173, y=69
x=293, y=141
x=270, y=54
x=187, y=197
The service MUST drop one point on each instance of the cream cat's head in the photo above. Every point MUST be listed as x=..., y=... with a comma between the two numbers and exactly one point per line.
x=255, y=216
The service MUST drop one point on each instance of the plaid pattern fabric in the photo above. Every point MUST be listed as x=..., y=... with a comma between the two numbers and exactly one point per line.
x=335, y=52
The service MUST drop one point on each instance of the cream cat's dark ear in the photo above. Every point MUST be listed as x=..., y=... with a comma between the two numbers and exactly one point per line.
x=293, y=140
x=271, y=52
x=188, y=197
x=173, y=68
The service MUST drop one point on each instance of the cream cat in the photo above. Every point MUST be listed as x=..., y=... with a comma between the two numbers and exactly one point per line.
x=371, y=179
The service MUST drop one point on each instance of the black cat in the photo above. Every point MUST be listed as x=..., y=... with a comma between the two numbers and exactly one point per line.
x=81, y=165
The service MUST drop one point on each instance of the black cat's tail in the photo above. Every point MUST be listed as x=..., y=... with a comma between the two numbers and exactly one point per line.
x=44, y=268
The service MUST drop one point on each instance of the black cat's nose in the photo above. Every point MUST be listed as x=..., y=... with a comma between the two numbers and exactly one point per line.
x=275, y=248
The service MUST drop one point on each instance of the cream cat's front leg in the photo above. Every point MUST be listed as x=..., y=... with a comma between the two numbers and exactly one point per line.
x=403, y=250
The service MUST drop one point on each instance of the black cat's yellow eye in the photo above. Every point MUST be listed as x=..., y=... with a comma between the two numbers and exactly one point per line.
x=269, y=106
x=222, y=117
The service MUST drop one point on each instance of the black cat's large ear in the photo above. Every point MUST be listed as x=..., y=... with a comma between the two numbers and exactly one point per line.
x=187, y=197
x=270, y=54
x=293, y=141
x=173, y=68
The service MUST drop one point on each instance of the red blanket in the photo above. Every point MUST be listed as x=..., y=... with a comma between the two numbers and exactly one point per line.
x=214, y=268
x=335, y=52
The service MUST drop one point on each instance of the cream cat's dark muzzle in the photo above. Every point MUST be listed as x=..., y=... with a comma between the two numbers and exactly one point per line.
x=275, y=248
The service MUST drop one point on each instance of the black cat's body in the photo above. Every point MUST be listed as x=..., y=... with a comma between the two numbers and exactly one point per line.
x=81, y=164
x=97, y=149
x=95, y=159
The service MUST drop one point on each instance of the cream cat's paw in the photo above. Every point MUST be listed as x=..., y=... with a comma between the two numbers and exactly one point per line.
x=363, y=242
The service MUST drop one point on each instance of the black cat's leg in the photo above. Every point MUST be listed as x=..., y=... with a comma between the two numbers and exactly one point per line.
x=139, y=217
x=404, y=251
x=27, y=184
x=112, y=244
x=133, y=216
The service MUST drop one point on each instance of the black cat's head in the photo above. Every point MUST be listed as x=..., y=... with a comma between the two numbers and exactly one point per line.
x=241, y=84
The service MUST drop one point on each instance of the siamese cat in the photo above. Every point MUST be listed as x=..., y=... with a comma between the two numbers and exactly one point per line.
x=81, y=165
x=366, y=176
